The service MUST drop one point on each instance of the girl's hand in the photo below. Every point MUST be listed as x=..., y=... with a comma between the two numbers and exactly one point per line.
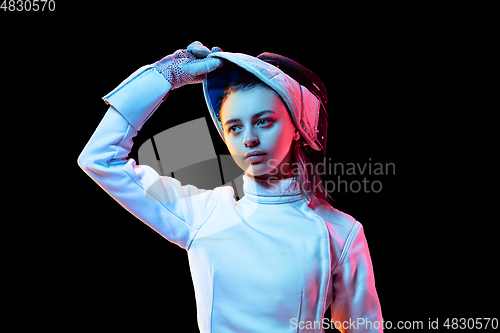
x=188, y=66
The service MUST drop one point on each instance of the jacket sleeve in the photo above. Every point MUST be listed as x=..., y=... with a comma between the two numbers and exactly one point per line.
x=355, y=305
x=174, y=211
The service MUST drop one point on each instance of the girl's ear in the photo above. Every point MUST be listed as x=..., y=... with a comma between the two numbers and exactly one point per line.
x=296, y=136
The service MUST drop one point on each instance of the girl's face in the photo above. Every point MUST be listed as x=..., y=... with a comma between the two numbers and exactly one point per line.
x=256, y=120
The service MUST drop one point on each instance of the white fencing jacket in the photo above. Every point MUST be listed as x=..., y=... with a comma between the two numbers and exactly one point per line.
x=266, y=263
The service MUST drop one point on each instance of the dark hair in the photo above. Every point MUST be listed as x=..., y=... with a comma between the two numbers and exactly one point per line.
x=246, y=81
x=304, y=158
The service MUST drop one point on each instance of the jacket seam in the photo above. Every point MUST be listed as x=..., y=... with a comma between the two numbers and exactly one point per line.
x=329, y=275
x=212, y=301
x=158, y=201
x=118, y=143
x=191, y=238
x=347, y=245
x=300, y=309
x=338, y=302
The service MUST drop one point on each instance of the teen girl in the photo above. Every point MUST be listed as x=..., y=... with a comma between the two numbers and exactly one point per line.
x=277, y=258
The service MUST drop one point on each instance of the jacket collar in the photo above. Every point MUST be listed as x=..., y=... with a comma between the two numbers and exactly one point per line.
x=271, y=191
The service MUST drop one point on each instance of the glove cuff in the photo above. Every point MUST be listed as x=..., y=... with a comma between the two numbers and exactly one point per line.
x=138, y=96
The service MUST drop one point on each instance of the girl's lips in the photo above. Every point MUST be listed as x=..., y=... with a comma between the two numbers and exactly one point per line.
x=256, y=158
x=255, y=152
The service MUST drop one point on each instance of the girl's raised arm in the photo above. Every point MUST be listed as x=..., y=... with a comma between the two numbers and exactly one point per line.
x=173, y=210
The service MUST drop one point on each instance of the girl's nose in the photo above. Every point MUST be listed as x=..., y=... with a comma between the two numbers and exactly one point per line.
x=250, y=139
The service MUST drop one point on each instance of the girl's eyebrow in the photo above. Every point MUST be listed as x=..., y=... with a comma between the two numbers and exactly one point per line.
x=257, y=115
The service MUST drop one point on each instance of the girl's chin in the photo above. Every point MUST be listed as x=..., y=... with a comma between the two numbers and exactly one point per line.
x=262, y=169
x=257, y=170
x=263, y=172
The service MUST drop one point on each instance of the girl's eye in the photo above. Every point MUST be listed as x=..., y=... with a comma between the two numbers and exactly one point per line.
x=264, y=121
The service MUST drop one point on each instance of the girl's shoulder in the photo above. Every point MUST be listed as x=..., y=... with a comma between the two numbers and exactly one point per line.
x=341, y=227
x=333, y=217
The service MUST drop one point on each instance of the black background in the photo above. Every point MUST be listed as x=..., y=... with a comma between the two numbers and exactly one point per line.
x=386, y=71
